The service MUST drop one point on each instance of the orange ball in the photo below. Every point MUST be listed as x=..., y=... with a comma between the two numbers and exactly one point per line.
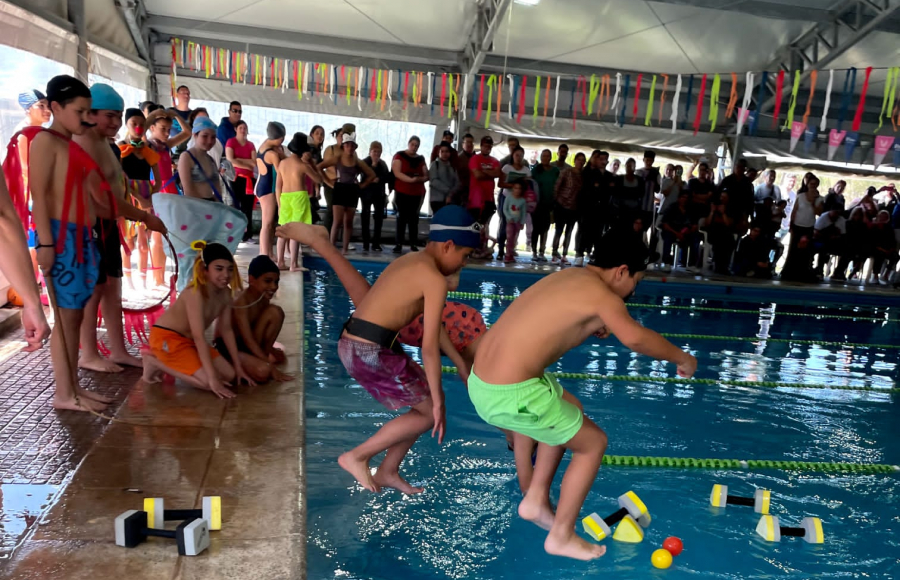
x=13, y=297
x=673, y=545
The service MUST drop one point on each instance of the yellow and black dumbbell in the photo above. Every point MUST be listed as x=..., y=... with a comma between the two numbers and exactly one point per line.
x=631, y=516
x=759, y=502
x=810, y=529
x=157, y=514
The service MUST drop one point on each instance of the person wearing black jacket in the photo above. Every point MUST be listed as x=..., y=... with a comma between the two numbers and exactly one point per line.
x=593, y=204
x=374, y=197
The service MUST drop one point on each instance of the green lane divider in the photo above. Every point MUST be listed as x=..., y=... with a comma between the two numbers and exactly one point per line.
x=714, y=382
x=790, y=340
x=478, y=295
x=754, y=464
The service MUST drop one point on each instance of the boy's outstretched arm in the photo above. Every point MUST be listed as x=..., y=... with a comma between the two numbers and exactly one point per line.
x=643, y=340
x=194, y=306
x=435, y=294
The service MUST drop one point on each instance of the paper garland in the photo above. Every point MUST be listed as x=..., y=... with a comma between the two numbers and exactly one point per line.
x=748, y=96
x=849, y=83
x=733, y=97
x=637, y=97
x=662, y=98
x=795, y=89
x=813, y=77
x=615, y=98
x=779, y=89
x=714, y=103
x=699, y=114
x=650, y=103
x=824, y=121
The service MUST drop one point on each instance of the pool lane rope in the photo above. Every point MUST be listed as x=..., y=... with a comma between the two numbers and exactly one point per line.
x=754, y=464
x=714, y=382
x=788, y=340
x=478, y=295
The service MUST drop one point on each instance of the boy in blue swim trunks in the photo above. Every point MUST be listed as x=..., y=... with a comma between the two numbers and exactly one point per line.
x=510, y=389
x=63, y=179
x=370, y=349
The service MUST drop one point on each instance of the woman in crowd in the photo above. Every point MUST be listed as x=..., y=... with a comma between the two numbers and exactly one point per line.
x=719, y=227
x=565, y=207
x=271, y=152
x=514, y=171
x=374, y=198
x=346, y=193
x=628, y=195
x=316, y=140
x=798, y=264
x=241, y=153
x=410, y=175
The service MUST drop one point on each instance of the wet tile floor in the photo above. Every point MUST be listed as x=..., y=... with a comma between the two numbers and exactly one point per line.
x=64, y=477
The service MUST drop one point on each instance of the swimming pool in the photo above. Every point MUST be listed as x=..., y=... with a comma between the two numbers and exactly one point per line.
x=465, y=524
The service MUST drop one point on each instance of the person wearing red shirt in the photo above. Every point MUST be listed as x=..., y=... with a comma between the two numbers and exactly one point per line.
x=484, y=171
x=410, y=174
x=242, y=154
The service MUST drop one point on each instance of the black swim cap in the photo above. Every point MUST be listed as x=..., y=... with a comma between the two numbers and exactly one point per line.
x=64, y=88
x=262, y=265
x=620, y=247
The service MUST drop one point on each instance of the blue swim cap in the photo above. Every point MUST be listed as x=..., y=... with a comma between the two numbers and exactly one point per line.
x=453, y=223
x=203, y=124
x=29, y=99
x=105, y=98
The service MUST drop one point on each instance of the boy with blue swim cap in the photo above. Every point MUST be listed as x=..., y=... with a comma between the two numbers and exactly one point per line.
x=370, y=349
x=510, y=389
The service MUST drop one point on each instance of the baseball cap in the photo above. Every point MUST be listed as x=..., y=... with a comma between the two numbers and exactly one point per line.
x=448, y=133
x=261, y=265
x=453, y=223
x=64, y=87
x=621, y=247
x=105, y=98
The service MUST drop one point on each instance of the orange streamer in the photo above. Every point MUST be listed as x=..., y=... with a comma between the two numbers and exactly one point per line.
x=732, y=100
x=662, y=98
x=813, y=76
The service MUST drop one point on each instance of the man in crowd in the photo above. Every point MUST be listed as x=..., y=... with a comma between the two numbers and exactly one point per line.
x=183, y=111
x=463, y=158
x=740, y=193
x=598, y=185
x=512, y=143
x=561, y=155
x=228, y=125
x=651, y=179
x=448, y=139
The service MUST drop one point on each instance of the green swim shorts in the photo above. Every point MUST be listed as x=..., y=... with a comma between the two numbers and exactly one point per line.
x=534, y=408
x=294, y=208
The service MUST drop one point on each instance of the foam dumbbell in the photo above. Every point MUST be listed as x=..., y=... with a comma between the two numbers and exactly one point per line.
x=810, y=529
x=631, y=516
x=759, y=502
x=191, y=536
x=157, y=513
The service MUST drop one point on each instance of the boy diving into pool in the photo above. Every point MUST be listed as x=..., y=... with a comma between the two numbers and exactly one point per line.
x=411, y=285
x=510, y=389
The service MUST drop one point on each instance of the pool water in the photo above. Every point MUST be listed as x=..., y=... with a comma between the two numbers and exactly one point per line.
x=465, y=524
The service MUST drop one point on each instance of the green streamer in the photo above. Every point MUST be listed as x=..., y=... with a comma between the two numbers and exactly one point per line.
x=378, y=97
x=711, y=382
x=650, y=102
x=794, y=90
x=537, y=97
x=490, y=83
x=595, y=90
x=478, y=295
x=714, y=102
x=890, y=88
x=893, y=95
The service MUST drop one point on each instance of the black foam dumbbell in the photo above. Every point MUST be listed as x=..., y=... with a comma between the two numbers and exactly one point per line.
x=191, y=536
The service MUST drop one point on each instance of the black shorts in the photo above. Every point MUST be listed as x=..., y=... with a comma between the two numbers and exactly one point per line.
x=106, y=237
x=345, y=195
x=219, y=343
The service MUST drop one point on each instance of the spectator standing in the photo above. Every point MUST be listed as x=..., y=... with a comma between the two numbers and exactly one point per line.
x=514, y=210
x=719, y=227
x=485, y=169
x=347, y=188
x=616, y=166
x=410, y=174
x=790, y=186
x=331, y=173
x=316, y=140
x=828, y=233
x=228, y=125
x=854, y=247
x=448, y=139
x=740, y=194
x=651, y=178
x=443, y=178
x=598, y=186
x=565, y=207
x=671, y=186
x=271, y=153
x=835, y=198
x=242, y=154
x=766, y=190
x=546, y=175
x=183, y=110
x=798, y=265
x=511, y=143
x=465, y=175
x=884, y=248
x=515, y=171
x=374, y=197
x=628, y=196
x=702, y=191
x=561, y=155
x=678, y=228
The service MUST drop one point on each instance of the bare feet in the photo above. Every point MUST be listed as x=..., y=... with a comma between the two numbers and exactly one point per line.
x=72, y=405
x=393, y=480
x=101, y=365
x=296, y=268
x=85, y=394
x=537, y=512
x=153, y=372
x=281, y=266
x=126, y=360
x=359, y=470
x=573, y=547
x=306, y=234
x=276, y=355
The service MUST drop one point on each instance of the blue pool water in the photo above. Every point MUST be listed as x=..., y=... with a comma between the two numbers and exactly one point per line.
x=465, y=524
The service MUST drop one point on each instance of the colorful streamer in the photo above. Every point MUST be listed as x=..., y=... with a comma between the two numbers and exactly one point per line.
x=490, y=84
x=556, y=101
x=637, y=97
x=847, y=95
x=662, y=98
x=480, y=98
x=537, y=100
x=675, y=98
x=616, y=97
x=546, y=103
x=714, y=102
x=824, y=120
x=795, y=89
x=779, y=91
x=594, y=91
x=650, y=102
x=605, y=96
x=624, y=100
x=687, y=104
x=733, y=97
x=813, y=77
x=857, y=118
x=754, y=125
x=698, y=117
x=745, y=105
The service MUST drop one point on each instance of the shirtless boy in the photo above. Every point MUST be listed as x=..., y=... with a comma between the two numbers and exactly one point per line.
x=510, y=389
x=291, y=193
x=257, y=323
x=178, y=344
x=411, y=285
x=64, y=185
x=105, y=117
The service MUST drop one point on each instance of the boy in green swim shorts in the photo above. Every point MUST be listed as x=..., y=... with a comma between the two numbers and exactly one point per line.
x=509, y=387
x=295, y=173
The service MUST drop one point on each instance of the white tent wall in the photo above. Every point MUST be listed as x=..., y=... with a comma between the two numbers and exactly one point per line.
x=26, y=31
x=105, y=24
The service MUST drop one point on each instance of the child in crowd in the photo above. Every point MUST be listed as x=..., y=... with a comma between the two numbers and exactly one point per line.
x=411, y=285
x=105, y=118
x=159, y=125
x=178, y=346
x=141, y=164
x=514, y=211
x=291, y=192
x=257, y=323
x=510, y=389
x=62, y=177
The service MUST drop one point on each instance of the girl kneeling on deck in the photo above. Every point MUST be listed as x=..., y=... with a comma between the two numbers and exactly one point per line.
x=177, y=343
